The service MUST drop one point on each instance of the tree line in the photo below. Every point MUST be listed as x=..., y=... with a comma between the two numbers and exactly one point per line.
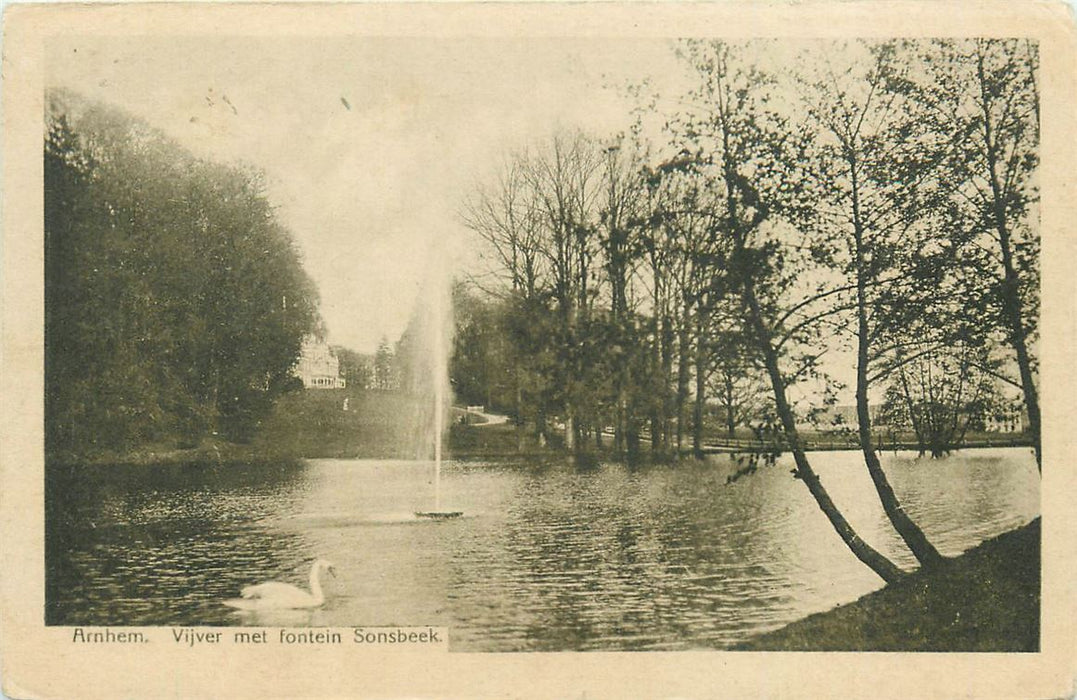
x=175, y=301
x=878, y=197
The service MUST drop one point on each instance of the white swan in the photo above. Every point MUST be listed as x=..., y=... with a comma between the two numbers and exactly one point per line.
x=283, y=596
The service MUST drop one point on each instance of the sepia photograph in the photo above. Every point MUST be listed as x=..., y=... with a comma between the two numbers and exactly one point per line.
x=558, y=344
x=544, y=341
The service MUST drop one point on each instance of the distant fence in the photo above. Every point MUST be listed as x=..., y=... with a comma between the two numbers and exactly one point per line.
x=851, y=443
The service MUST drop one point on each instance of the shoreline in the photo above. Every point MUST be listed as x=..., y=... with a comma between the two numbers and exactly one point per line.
x=380, y=425
x=853, y=447
x=985, y=600
x=222, y=453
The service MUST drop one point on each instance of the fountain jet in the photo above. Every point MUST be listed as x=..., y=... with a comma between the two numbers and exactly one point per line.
x=439, y=331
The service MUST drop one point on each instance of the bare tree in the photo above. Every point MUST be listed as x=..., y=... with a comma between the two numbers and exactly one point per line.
x=564, y=181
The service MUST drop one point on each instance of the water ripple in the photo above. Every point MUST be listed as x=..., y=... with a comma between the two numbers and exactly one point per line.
x=549, y=557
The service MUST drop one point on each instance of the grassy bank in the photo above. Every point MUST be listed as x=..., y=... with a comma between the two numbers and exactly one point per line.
x=987, y=599
x=390, y=425
x=314, y=424
x=375, y=424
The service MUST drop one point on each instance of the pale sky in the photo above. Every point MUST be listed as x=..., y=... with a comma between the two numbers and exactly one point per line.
x=371, y=190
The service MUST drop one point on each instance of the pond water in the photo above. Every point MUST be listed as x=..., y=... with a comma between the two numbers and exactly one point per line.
x=547, y=557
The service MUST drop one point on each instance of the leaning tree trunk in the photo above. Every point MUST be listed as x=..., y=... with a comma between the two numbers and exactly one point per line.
x=913, y=536
x=876, y=561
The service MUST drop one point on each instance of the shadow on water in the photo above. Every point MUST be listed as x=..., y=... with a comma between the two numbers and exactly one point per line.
x=153, y=545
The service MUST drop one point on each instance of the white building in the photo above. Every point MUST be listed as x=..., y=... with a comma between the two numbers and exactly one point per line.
x=318, y=367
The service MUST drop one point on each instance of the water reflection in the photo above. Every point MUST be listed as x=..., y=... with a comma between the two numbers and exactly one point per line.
x=548, y=558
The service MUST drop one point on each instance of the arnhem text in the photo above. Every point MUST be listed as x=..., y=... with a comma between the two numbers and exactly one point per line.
x=191, y=637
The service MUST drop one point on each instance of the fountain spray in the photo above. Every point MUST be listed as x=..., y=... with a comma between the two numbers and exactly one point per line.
x=439, y=298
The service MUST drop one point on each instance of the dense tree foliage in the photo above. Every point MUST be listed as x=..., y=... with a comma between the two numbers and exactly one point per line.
x=878, y=197
x=985, y=95
x=175, y=301
x=356, y=368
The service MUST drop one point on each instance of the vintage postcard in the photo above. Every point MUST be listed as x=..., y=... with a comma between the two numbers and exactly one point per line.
x=614, y=350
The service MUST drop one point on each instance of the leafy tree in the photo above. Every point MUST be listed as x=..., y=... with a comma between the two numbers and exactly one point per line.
x=541, y=226
x=621, y=213
x=176, y=304
x=508, y=221
x=385, y=372
x=984, y=93
x=737, y=382
x=871, y=164
x=356, y=368
x=750, y=149
x=563, y=179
